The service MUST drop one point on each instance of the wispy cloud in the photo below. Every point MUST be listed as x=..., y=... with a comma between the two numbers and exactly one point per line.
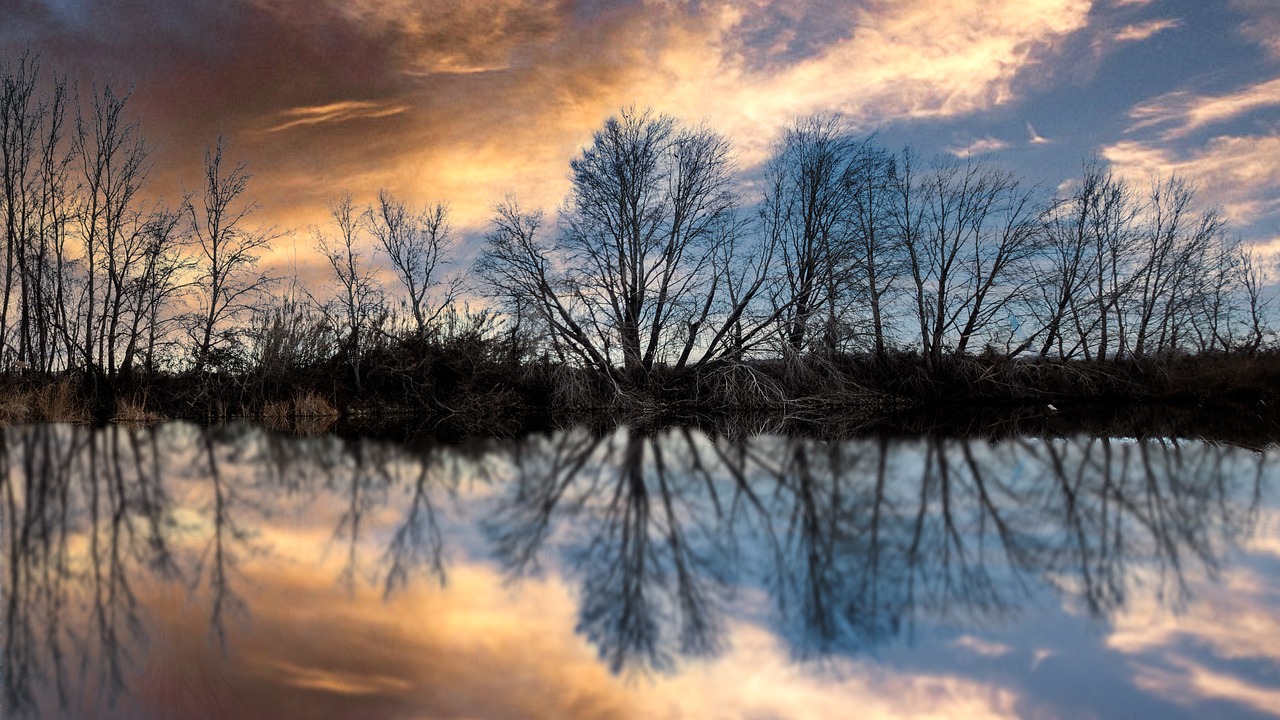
x=1240, y=173
x=334, y=113
x=1182, y=112
x=1034, y=137
x=903, y=60
x=1261, y=24
x=1144, y=31
x=979, y=146
x=475, y=99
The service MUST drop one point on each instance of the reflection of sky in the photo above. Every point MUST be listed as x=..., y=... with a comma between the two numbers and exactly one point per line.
x=465, y=101
x=317, y=634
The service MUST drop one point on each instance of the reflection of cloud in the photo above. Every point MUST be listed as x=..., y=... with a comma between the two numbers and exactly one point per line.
x=477, y=649
x=1266, y=536
x=1161, y=644
x=757, y=681
x=985, y=648
x=1192, y=683
x=1241, y=595
x=1144, y=31
x=343, y=683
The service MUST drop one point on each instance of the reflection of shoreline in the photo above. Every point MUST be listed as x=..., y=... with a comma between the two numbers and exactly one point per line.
x=853, y=543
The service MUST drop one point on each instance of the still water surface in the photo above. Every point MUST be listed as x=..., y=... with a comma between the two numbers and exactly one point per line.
x=182, y=572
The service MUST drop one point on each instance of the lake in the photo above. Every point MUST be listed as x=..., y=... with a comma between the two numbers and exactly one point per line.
x=177, y=571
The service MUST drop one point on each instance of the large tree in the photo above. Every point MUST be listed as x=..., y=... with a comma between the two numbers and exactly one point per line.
x=648, y=267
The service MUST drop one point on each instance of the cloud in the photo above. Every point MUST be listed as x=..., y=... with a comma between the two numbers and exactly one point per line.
x=1146, y=30
x=1182, y=112
x=1240, y=173
x=979, y=146
x=465, y=100
x=1261, y=24
x=903, y=60
x=334, y=112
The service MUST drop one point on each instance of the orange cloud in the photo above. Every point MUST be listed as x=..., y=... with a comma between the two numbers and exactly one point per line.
x=1240, y=173
x=1185, y=112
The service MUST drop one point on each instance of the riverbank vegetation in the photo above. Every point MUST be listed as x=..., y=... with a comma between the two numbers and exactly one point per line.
x=838, y=278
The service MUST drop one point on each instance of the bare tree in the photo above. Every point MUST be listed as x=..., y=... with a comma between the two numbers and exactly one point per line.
x=1254, y=277
x=967, y=229
x=113, y=166
x=1070, y=246
x=877, y=262
x=53, y=263
x=359, y=298
x=227, y=279
x=20, y=118
x=416, y=242
x=807, y=210
x=161, y=281
x=649, y=267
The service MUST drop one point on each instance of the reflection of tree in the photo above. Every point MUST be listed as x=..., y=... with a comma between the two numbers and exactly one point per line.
x=84, y=516
x=855, y=541
x=651, y=571
x=219, y=558
x=1153, y=503
x=851, y=542
x=417, y=544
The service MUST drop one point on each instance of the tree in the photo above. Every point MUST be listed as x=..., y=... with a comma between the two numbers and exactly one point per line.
x=21, y=112
x=416, y=242
x=359, y=298
x=227, y=276
x=808, y=211
x=969, y=232
x=113, y=163
x=877, y=261
x=649, y=267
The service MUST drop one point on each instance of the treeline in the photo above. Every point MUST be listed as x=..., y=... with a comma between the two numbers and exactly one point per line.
x=841, y=269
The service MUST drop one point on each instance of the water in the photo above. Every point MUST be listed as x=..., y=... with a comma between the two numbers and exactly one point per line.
x=178, y=572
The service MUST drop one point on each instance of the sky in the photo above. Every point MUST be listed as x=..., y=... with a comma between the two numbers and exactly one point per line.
x=465, y=101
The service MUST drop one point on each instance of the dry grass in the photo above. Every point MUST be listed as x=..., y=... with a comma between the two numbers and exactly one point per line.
x=134, y=411
x=311, y=404
x=308, y=413
x=58, y=401
x=15, y=407
x=275, y=415
x=275, y=411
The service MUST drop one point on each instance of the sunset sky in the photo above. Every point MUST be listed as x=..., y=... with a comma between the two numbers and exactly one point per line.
x=464, y=101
